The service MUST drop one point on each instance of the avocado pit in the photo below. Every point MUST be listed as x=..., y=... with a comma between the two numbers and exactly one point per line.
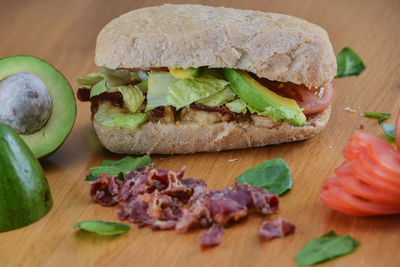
x=25, y=103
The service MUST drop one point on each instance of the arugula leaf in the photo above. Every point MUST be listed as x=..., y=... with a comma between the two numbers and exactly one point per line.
x=118, y=167
x=380, y=116
x=103, y=228
x=348, y=63
x=273, y=175
x=327, y=247
x=388, y=129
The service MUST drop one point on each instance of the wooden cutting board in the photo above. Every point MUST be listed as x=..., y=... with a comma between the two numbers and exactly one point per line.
x=64, y=34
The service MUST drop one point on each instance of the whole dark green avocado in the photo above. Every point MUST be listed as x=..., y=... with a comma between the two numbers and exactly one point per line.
x=36, y=101
x=24, y=192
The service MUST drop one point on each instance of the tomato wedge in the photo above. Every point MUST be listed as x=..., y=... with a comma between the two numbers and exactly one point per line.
x=397, y=130
x=361, y=205
x=357, y=187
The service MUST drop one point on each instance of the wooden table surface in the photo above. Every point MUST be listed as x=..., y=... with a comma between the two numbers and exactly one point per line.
x=64, y=33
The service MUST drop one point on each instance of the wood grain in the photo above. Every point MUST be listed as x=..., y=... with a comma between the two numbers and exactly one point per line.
x=64, y=33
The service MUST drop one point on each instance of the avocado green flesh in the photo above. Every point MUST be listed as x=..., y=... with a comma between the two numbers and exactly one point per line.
x=258, y=96
x=185, y=73
x=25, y=194
x=56, y=130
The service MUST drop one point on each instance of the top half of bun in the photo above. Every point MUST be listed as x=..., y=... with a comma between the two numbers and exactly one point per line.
x=273, y=46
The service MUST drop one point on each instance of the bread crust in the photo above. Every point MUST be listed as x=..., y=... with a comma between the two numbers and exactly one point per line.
x=273, y=46
x=190, y=137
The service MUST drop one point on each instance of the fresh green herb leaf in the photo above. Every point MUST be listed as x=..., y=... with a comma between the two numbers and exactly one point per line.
x=348, y=63
x=273, y=175
x=103, y=228
x=118, y=167
x=380, y=116
x=327, y=247
x=388, y=129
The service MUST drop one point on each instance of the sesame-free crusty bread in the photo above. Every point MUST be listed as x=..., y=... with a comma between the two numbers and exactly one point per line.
x=273, y=46
x=189, y=137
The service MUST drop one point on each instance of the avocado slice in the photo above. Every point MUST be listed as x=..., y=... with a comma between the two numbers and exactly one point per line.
x=185, y=73
x=25, y=193
x=263, y=100
x=62, y=110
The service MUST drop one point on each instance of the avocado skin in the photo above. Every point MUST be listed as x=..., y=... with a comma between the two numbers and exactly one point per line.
x=258, y=96
x=48, y=139
x=25, y=193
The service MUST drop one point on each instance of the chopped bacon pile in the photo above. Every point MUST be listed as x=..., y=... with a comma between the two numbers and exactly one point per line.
x=163, y=200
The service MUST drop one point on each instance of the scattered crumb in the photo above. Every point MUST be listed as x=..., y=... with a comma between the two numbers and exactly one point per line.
x=161, y=158
x=361, y=126
x=330, y=147
x=232, y=160
x=362, y=114
x=349, y=109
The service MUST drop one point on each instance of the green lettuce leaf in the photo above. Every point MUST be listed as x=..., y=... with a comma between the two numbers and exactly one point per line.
x=133, y=97
x=348, y=63
x=110, y=116
x=118, y=167
x=218, y=99
x=291, y=115
x=327, y=247
x=237, y=106
x=158, y=87
x=143, y=86
x=90, y=79
x=186, y=91
x=273, y=175
x=98, y=88
x=112, y=78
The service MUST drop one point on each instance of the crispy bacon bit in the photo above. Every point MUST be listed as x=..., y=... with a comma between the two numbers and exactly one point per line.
x=83, y=94
x=163, y=200
x=278, y=228
x=212, y=237
x=105, y=189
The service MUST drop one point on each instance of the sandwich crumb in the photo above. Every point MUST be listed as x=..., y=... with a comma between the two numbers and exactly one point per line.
x=361, y=126
x=330, y=147
x=349, y=109
x=232, y=160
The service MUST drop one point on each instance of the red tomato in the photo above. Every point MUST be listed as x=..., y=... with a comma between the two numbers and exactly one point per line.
x=365, y=170
x=331, y=186
x=389, y=159
x=365, y=139
x=359, y=204
x=357, y=187
x=344, y=169
x=397, y=130
x=331, y=202
x=312, y=100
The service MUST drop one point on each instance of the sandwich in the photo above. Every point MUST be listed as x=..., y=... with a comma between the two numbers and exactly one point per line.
x=181, y=79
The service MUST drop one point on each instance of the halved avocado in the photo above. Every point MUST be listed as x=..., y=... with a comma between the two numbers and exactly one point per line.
x=24, y=193
x=58, y=125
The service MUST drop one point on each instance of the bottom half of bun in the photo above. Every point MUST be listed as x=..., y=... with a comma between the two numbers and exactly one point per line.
x=190, y=137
